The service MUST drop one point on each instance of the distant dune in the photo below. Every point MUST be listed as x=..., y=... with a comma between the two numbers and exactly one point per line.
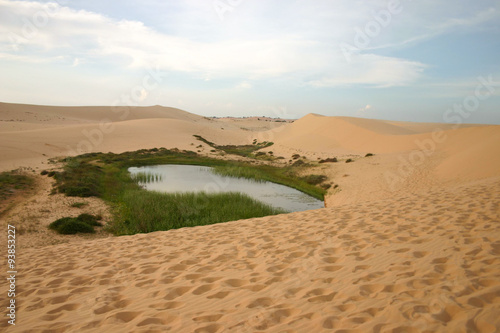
x=409, y=241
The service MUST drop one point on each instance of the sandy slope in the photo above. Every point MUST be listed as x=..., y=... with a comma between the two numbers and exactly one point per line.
x=29, y=134
x=410, y=241
x=428, y=263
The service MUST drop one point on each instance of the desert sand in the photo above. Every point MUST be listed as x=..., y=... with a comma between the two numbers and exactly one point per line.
x=409, y=241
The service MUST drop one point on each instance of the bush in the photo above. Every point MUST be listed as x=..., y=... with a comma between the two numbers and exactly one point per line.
x=295, y=156
x=79, y=179
x=298, y=163
x=57, y=223
x=329, y=160
x=84, y=223
x=44, y=172
x=73, y=227
x=89, y=219
x=315, y=179
x=326, y=186
x=368, y=155
x=349, y=160
x=51, y=174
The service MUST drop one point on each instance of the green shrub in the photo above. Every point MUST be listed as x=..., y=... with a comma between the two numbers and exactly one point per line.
x=79, y=179
x=84, y=223
x=44, y=172
x=51, y=174
x=89, y=219
x=329, y=160
x=298, y=163
x=315, y=179
x=73, y=227
x=57, y=223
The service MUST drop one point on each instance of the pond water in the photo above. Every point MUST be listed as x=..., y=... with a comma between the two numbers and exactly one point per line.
x=191, y=178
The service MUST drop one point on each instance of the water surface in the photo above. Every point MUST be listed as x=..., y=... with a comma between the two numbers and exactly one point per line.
x=191, y=178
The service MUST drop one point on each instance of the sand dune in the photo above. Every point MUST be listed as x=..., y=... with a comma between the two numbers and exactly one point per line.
x=429, y=263
x=410, y=241
x=30, y=134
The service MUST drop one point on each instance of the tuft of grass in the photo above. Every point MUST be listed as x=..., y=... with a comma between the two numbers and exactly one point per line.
x=91, y=220
x=315, y=179
x=242, y=150
x=144, y=211
x=79, y=179
x=146, y=177
x=74, y=227
x=84, y=223
x=12, y=182
x=329, y=160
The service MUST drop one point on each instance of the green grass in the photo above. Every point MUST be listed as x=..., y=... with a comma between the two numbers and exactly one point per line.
x=144, y=211
x=79, y=179
x=146, y=177
x=11, y=182
x=242, y=150
x=84, y=223
x=280, y=175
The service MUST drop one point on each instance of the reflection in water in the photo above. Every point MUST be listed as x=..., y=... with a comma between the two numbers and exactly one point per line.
x=191, y=178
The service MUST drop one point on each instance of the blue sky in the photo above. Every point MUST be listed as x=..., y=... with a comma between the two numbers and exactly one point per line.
x=397, y=59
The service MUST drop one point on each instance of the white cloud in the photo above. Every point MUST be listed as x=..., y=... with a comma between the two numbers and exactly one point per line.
x=91, y=37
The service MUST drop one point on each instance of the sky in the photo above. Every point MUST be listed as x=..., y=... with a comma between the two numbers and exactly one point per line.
x=408, y=60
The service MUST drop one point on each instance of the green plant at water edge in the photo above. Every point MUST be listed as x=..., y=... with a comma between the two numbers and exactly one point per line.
x=315, y=179
x=280, y=175
x=146, y=177
x=144, y=211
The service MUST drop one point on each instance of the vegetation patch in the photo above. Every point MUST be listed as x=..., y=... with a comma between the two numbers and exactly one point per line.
x=242, y=150
x=10, y=184
x=329, y=160
x=315, y=179
x=136, y=210
x=145, y=211
x=79, y=179
x=84, y=223
x=284, y=176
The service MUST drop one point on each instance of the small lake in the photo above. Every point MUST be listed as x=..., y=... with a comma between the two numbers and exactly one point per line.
x=191, y=178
